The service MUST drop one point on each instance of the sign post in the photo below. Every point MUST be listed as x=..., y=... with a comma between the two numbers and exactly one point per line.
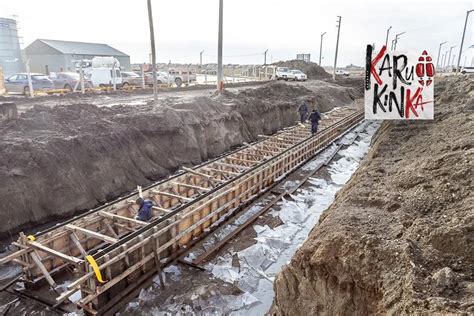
x=399, y=85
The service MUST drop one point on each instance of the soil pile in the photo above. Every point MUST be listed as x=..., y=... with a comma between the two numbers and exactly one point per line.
x=399, y=237
x=58, y=161
x=312, y=70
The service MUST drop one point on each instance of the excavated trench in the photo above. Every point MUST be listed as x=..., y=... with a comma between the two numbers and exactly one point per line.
x=398, y=238
x=57, y=161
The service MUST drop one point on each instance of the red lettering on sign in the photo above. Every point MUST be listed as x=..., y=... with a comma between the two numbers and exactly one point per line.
x=374, y=62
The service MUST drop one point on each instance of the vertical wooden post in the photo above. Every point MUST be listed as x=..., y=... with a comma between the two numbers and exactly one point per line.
x=156, y=245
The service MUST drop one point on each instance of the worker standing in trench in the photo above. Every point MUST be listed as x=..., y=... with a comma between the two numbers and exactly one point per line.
x=144, y=212
x=303, y=111
x=315, y=117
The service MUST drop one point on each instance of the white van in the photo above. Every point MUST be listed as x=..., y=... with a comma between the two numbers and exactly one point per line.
x=104, y=77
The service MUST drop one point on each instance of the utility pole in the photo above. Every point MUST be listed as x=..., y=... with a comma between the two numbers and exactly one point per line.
x=220, y=81
x=386, y=38
x=462, y=41
x=337, y=45
x=265, y=57
x=153, y=51
x=454, y=58
x=30, y=82
x=439, y=51
x=396, y=40
x=200, y=58
x=321, y=49
x=449, y=58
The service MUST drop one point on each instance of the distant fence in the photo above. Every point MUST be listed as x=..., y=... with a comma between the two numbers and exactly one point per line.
x=2, y=82
x=205, y=75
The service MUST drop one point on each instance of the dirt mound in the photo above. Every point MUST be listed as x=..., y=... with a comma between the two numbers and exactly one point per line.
x=58, y=161
x=398, y=238
x=312, y=70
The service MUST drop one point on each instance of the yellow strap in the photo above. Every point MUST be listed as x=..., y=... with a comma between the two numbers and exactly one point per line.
x=96, y=269
x=31, y=237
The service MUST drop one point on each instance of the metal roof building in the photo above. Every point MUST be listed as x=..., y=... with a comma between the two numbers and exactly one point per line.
x=53, y=56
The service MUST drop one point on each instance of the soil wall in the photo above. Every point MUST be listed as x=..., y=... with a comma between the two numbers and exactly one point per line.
x=58, y=161
x=399, y=237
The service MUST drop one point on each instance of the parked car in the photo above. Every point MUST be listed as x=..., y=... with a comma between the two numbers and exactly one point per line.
x=68, y=81
x=131, y=79
x=297, y=75
x=467, y=70
x=181, y=76
x=342, y=73
x=282, y=73
x=104, y=77
x=19, y=83
x=161, y=77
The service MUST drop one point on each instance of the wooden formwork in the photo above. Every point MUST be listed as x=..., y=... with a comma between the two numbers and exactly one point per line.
x=112, y=254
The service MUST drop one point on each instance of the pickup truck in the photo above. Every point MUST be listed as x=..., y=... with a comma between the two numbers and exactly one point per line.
x=467, y=70
x=297, y=75
x=342, y=73
x=282, y=73
x=181, y=76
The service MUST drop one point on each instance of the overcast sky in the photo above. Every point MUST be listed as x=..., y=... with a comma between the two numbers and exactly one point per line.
x=183, y=28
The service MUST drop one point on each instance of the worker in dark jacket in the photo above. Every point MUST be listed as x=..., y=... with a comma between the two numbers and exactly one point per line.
x=144, y=212
x=303, y=111
x=315, y=117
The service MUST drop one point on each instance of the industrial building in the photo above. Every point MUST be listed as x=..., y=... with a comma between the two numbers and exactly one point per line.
x=47, y=56
x=10, y=52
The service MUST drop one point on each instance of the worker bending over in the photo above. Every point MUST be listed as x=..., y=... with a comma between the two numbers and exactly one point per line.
x=315, y=117
x=303, y=111
x=144, y=212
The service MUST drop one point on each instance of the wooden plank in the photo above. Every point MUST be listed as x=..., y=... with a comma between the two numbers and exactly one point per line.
x=254, y=217
x=91, y=233
x=53, y=252
x=203, y=175
x=76, y=241
x=23, y=263
x=110, y=228
x=65, y=295
x=122, y=218
x=14, y=255
x=117, y=279
x=269, y=145
x=190, y=186
x=272, y=153
x=252, y=162
x=157, y=257
x=164, y=210
x=197, y=173
x=229, y=165
x=223, y=171
x=42, y=268
x=171, y=195
x=260, y=157
x=283, y=144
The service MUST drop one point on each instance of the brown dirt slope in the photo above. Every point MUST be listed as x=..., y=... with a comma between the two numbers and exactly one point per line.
x=312, y=70
x=399, y=237
x=57, y=161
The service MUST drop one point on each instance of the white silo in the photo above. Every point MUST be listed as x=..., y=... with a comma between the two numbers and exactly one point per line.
x=10, y=52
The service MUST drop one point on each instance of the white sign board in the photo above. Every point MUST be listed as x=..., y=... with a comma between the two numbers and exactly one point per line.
x=399, y=85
